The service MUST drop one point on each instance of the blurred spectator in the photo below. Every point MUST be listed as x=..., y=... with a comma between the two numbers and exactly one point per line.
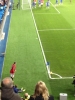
x=6, y=2
x=61, y=1
x=26, y=96
x=56, y=1
x=17, y=90
x=48, y=3
x=2, y=3
x=7, y=92
x=41, y=92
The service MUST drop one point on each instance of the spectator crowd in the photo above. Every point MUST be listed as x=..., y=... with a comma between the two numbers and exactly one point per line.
x=8, y=92
x=3, y=6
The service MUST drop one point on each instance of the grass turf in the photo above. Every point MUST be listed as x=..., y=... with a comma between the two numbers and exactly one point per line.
x=57, y=36
x=23, y=47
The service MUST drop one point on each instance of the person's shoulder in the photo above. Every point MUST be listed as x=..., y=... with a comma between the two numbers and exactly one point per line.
x=51, y=97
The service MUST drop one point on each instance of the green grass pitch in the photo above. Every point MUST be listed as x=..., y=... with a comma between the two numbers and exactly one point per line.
x=57, y=35
x=56, y=28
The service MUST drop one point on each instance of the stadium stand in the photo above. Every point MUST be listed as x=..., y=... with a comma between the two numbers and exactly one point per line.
x=4, y=26
x=3, y=7
x=3, y=13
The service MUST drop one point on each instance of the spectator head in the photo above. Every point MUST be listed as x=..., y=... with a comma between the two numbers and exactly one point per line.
x=6, y=2
x=26, y=95
x=41, y=89
x=7, y=82
x=2, y=2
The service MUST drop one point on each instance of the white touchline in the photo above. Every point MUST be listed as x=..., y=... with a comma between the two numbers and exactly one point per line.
x=40, y=44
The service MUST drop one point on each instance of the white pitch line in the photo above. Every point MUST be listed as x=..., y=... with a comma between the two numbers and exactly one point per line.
x=57, y=75
x=45, y=13
x=60, y=77
x=55, y=8
x=57, y=29
x=40, y=43
x=63, y=78
x=48, y=69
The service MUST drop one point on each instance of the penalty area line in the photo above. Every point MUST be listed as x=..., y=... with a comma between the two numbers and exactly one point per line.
x=46, y=13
